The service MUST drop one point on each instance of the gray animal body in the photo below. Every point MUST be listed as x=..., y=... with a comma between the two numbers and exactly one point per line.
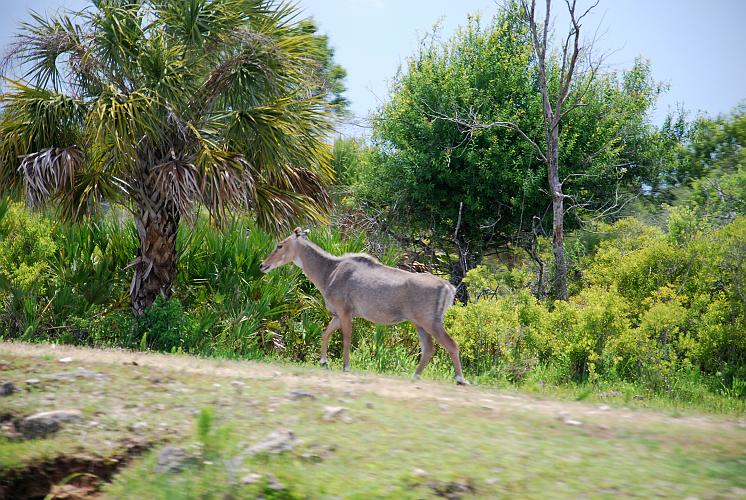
x=358, y=285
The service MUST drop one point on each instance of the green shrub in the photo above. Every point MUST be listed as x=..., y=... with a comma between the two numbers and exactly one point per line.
x=497, y=333
x=26, y=248
x=165, y=327
x=602, y=318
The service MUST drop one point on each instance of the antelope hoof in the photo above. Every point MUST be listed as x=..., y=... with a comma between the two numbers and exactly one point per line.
x=415, y=377
x=324, y=365
x=460, y=380
x=346, y=369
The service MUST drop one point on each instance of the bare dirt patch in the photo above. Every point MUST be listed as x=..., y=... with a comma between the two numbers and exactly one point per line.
x=68, y=476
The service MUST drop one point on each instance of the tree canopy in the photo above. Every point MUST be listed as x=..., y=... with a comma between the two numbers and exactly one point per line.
x=167, y=105
x=435, y=172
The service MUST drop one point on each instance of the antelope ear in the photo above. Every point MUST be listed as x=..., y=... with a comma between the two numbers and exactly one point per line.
x=297, y=232
x=304, y=234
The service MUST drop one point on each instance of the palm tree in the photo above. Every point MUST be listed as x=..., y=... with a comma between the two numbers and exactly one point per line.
x=163, y=106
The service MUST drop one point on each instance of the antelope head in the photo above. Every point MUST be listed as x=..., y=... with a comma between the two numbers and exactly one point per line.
x=285, y=251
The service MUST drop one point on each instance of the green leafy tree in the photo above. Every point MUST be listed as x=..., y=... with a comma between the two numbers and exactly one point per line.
x=457, y=158
x=714, y=166
x=164, y=106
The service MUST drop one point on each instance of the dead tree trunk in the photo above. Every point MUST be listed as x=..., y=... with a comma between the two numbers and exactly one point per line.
x=554, y=110
x=558, y=219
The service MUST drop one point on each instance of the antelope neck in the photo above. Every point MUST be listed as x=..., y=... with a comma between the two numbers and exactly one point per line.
x=316, y=264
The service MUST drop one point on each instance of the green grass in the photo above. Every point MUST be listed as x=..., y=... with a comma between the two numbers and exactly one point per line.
x=403, y=440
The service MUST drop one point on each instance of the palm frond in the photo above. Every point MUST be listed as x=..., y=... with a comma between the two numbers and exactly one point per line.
x=50, y=171
x=124, y=120
x=39, y=45
x=214, y=102
x=35, y=121
x=179, y=181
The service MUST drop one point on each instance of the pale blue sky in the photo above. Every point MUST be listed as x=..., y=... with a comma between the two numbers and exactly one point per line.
x=696, y=46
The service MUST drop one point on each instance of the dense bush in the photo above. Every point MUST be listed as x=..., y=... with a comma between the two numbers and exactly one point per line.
x=651, y=307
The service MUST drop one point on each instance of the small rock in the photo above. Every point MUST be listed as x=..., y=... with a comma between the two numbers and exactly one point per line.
x=566, y=418
x=139, y=426
x=334, y=413
x=604, y=407
x=296, y=395
x=279, y=441
x=311, y=457
x=47, y=422
x=492, y=480
x=238, y=385
x=170, y=459
x=251, y=478
x=419, y=472
x=638, y=397
x=7, y=388
x=369, y=405
x=443, y=407
x=65, y=360
x=32, y=381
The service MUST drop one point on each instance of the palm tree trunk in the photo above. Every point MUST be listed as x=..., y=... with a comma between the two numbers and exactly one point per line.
x=157, y=222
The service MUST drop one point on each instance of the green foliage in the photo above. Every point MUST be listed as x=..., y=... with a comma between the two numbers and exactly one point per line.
x=429, y=171
x=165, y=327
x=710, y=167
x=498, y=334
x=655, y=310
x=229, y=99
x=26, y=247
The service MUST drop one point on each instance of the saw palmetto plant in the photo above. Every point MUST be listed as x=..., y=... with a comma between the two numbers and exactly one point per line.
x=163, y=107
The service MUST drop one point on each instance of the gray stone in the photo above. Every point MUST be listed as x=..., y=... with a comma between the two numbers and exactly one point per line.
x=279, y=441
x=296, y=395
x=47, y=422
x=170, y=459
x=336, y=413
x=419, y=472
x=7, y=388
x=33, y=381
x=139, y=426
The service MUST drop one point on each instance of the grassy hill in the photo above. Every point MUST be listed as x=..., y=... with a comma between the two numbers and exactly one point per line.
x=166, y=426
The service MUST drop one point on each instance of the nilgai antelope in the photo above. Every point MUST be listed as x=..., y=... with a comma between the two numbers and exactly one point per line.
x=358, y=285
